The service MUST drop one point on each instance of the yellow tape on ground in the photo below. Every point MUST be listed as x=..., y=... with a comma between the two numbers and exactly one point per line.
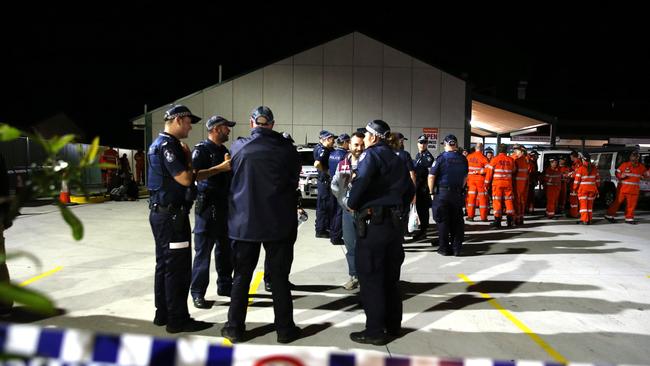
x=536, y=338
x=251, y=291
x=48, y=273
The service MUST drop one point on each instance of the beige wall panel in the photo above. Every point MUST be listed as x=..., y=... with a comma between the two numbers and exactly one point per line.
x=396, y=105
x=308, y=95
x=278, y=91
x=337, y=95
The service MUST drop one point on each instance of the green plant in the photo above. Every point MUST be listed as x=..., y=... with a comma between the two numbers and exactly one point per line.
x=45, y=180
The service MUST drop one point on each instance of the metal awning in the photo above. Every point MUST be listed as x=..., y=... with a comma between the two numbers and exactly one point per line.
x=488, y=120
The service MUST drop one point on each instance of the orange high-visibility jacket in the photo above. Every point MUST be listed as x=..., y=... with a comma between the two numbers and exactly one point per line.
x=500, y=170
x=476, y=162
x=552, y=177
x=522, y=170
x=629, y=175
x=585, y=180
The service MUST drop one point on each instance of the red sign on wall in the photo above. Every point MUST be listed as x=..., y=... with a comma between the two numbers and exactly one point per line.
x=432, y=135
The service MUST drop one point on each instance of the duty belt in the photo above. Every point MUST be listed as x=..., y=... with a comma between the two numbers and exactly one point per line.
x=450, y=189
x=167, y=209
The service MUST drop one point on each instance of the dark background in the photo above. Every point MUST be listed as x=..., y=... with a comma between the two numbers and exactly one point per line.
x=100, y=64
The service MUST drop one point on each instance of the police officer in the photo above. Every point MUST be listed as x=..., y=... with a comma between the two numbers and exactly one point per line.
x=171, y=179
x=325, y=201
x=262, y=211
x=447, y=179
x=336, y=219
x=423, y=162
x=405, y=155
x=211, y=160
x=379, y=192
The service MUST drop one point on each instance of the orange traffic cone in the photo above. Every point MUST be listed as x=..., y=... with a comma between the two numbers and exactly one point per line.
x=64, y=196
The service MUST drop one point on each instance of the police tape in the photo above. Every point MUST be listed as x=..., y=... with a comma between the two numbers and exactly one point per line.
x=22, y=344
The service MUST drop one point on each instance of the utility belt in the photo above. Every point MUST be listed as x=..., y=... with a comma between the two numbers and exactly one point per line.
x=376, y=215
x=450, y=189
x=207, y=202
x=170, y=209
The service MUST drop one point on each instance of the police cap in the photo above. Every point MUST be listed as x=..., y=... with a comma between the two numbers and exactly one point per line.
x=262, y=111
x=216, y=121
x=423, y=139
x=343, y=138
x=450, y=140
x=179, y=110
x=401, y=136
x=324, y=134
x=378, y=127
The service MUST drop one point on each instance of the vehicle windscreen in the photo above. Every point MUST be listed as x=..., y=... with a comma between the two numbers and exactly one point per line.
x=306, y=157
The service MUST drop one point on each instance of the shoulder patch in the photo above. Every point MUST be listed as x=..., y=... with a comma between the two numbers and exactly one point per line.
x=195, y=153
x=169, y=155
x=363, y=156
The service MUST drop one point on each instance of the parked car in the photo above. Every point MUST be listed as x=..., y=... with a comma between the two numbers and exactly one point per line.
x=308, y=182
x=608, y=158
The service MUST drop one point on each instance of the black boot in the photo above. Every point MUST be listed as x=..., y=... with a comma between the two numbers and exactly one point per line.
x=497, y=223
x=509, y=221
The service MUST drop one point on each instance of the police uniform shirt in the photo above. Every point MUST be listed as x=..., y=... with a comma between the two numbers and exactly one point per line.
x=407, y=159
x=262, y=201
x=335, y=156
x=423, y=162
x=382, y=180
x=207, y=154
x=167, y=159
x=322, y=154
x=450, y=170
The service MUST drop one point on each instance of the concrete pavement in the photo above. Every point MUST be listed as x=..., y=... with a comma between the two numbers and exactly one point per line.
x=549, y=290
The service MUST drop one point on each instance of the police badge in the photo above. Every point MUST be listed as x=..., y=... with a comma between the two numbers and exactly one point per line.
x=169, y=155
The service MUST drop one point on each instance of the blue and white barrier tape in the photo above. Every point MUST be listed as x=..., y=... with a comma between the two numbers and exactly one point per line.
x=50, y=346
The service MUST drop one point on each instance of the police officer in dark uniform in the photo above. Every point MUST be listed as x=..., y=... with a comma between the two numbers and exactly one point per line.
x=380, y=191
x=447, y=179
x=262, y=211
x=172, y=189
x=405, y=155
x=325, y=201
x=423, y=162
x=336, y=220
x=211, y=160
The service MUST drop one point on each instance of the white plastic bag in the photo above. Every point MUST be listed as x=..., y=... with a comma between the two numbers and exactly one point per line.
x=414, y=220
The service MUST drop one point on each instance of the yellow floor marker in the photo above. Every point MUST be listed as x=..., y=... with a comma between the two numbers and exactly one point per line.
x=252, y=291
x=33, y=279
x=536, y=338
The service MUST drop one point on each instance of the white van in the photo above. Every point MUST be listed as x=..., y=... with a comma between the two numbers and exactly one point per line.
x=609, y=158
x=542, y=164
x=308, y=182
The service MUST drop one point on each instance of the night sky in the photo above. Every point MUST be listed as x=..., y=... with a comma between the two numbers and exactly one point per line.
x=101, y=65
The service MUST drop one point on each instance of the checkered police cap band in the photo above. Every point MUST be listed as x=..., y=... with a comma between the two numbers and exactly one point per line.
x=179, y=114
x=374, y=132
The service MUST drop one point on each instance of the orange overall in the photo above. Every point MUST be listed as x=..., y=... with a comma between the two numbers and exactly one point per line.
x=521, y=188
x=139, y=167
x=586, y=182
x=573, y=195
x=533, y=180
x=553, y=184
x=476, y=185
x=499, y=174
x=564, y=171
x=629, y=175
x=109, y=156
